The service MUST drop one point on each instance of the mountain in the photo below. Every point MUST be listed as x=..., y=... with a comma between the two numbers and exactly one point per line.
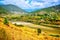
x=48, y=10
x=12, y=9
x=46, y=15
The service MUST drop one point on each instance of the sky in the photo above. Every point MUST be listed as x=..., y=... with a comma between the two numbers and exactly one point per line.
x=31, y=5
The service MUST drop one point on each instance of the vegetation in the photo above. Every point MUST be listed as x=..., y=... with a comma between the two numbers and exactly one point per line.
x=38, y=31
x=37, y=17
x=3, y=34
x=6, y=21
x=54, y=35
x=15, y=33
x=47, y=17
x=19, y=25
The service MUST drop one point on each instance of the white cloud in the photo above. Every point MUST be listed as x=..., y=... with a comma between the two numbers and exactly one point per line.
x=32, y=5
x=46, y=3
x=21, y=3
x=55, y=0
x=37, y=4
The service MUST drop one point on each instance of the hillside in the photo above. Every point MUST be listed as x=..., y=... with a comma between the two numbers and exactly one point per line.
x=50, y=15
x=46, y=15
x=3, y=11
x=12, y=9
x=49, y=9
x=13, y=32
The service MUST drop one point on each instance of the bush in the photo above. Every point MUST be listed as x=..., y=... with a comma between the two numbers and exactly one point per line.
x=54, y=35
x=6, y=21
x=19, y=25
x=39, y=31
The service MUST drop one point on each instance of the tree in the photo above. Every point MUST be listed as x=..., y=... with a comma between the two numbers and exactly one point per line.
x=39, y=31
x=6, y=21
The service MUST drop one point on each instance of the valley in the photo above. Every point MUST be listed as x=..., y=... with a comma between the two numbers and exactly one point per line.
x=17, y=24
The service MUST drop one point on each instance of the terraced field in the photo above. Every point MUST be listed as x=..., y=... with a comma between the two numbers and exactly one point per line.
x=12, y=32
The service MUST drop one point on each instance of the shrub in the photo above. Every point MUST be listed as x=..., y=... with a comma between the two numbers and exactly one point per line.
x=38, y=31
x=54, y=35
x=19, y=25
x=6, y=21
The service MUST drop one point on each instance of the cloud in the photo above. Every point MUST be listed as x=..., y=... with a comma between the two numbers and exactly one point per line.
x=55, y=0
x=36, y=5
x=43, y=3
x=32, y=4
x=20, y=3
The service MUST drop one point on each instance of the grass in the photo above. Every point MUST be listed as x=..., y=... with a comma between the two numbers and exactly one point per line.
x=24, y=33
x=3, y=35
x=50, y=25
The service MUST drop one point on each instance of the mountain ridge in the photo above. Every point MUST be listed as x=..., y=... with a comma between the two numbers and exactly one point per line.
x=12, y=9
x=56, y=7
